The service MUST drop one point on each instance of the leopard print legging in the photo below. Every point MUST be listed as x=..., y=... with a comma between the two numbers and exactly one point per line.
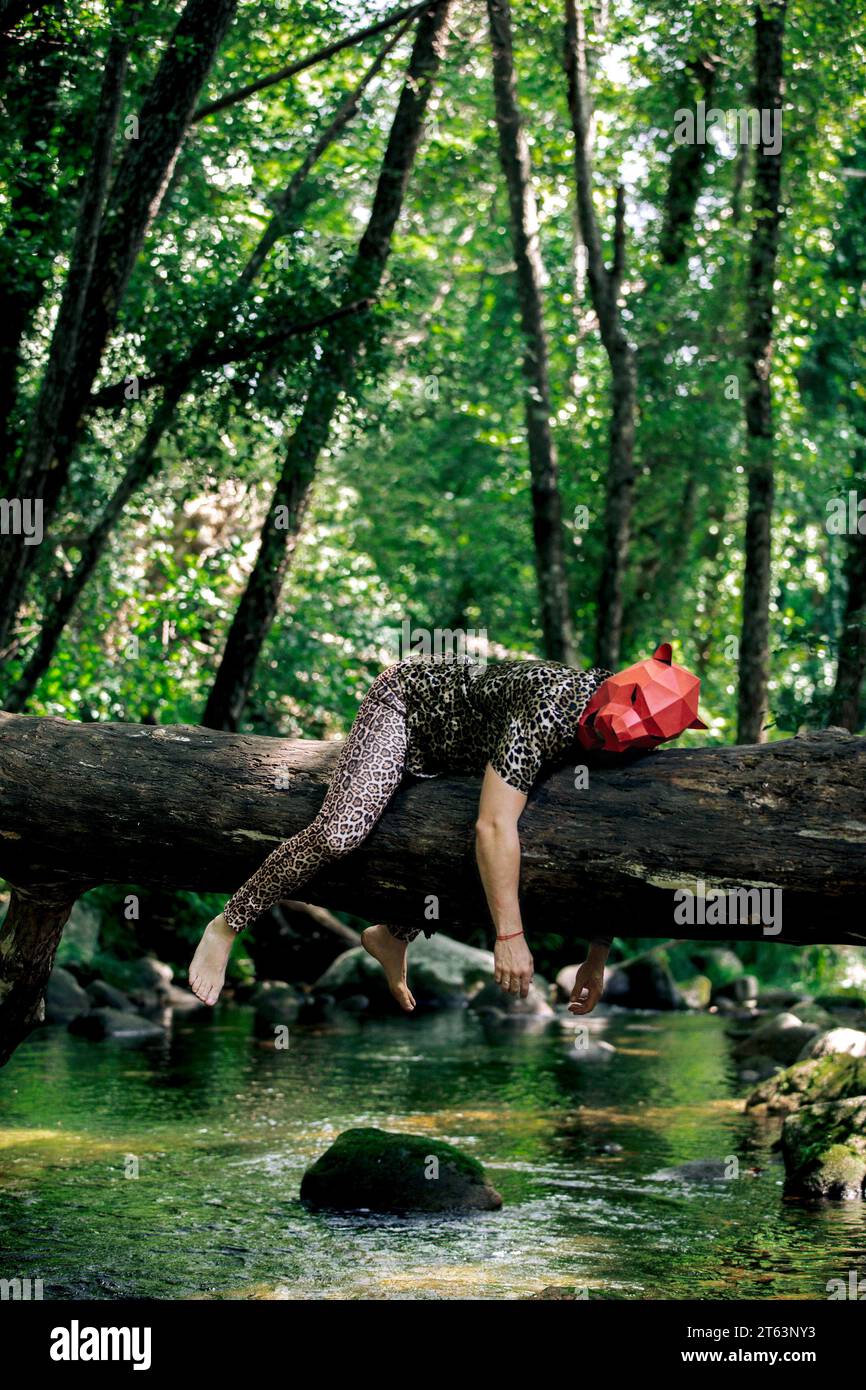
x=367, y=774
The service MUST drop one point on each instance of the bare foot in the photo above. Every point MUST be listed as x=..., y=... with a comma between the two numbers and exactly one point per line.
x=391, y=955
x=207, y=969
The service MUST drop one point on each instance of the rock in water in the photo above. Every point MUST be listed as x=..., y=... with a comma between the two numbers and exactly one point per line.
x=442, y=973
x=112, y=1023
x=824, y=1148
x=65, y=1000
x=818, y=1081
x=374, y=1170
x=642, y=984
x=783, y=1038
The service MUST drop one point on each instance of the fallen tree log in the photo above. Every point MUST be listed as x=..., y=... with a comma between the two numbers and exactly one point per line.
x=187, y=807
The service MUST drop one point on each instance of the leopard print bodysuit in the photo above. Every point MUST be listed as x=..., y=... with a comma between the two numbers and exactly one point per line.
x=426, y=717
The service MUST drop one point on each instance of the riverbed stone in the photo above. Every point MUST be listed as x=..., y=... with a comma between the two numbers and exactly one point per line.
x=824, y=1149
x=376, y=1170
x=146, y=981
x=643, y=984
x=835, y=1076
x=696, y=1170
x=65, y=1000
x=743, y=988
x=697, y=992
x=114, y=1023
x=492, y=1000
x=719, y=963
x=105, y=996
x=442, y=972
x=782, y=1038
x=850, y=1040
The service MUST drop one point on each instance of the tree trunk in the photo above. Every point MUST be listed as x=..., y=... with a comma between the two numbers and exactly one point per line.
x=333, y=375
x=546, y=505
x=685, y=176
x=43, y=428
x=769, y=31
x=205, y=813
x=851, y=663
x=604, y=287
x=22, y=282
x=138, y=188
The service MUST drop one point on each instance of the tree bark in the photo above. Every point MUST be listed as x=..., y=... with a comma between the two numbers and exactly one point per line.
x=604, y=288
x=769, y=28
x=64, y=339
x=204, y=813
x=139, y=185
x=333, y=375
x=550, y=567
x=22, y=283
x=685, y=177
x=851, y=662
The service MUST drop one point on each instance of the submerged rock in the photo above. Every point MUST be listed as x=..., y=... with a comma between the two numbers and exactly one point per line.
x=836, y=1076
x=375, y=1170
x=113, y=1023
x=105, y=996
x=65, y=1000
x=491, y=1000
x=147, y=980
x=643, y=984
x=824, y=1148
x=276, y=1004
x=700, y=1170
x=782, y=1038
x=442, y=972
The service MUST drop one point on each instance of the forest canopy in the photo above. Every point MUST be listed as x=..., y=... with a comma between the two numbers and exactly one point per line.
x=334, y=299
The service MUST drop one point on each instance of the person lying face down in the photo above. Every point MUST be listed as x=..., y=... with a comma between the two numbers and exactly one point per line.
x=507, y=720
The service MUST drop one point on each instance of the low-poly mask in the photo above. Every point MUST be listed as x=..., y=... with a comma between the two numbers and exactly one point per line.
x=641, y=707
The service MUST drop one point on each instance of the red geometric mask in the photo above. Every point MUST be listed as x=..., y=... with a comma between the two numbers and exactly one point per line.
x=641, y=707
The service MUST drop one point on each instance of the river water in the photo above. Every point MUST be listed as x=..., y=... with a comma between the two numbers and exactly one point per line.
x=172, y=1171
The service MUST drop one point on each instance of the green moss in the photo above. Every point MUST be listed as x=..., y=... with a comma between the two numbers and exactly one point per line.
x=376, y=1170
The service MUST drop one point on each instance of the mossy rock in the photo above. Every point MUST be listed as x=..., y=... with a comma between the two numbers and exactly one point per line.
x=719, y=964
x=838, y=1076
x=697, y=992
x=824, y=1148
x=375, y=1170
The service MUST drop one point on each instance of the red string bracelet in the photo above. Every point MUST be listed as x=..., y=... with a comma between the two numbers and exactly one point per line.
x=510, y=937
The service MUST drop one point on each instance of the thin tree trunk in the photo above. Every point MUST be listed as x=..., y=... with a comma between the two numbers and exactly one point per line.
x=135, y=198
x=21, y=283
x=546, y=504
x=604, y=287
x=176, y=380
x=65, y=336
x=333, y=375
x=685, y=177
x=851, y=664
x=769, y=27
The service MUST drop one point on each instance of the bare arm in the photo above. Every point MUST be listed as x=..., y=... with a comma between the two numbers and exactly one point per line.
x=497, y=849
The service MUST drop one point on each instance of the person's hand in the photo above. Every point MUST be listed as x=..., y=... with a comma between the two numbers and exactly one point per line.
x=588, y=987
x=513, y=966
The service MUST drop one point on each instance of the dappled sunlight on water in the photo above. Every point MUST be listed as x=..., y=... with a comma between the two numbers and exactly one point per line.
x=219, y=1131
